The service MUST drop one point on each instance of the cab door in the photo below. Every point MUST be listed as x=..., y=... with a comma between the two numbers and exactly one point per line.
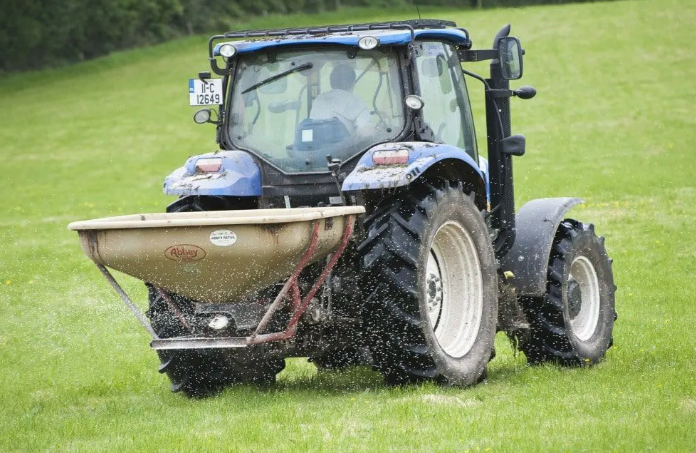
x=441, y=85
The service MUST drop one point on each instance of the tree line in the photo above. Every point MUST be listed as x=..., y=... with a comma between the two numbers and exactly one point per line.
x=41, y=33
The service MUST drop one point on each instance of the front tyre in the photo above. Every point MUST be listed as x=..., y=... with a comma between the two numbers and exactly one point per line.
x=431, y=284
x=573, y=324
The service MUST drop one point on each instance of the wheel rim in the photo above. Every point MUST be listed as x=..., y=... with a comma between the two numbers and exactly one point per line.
x=454, y=289
x=582, y=295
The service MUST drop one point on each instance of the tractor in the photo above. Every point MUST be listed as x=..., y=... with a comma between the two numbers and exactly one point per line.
x=367, y=131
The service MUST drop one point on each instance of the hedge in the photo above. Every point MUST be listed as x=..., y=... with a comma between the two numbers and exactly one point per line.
x=40, y=33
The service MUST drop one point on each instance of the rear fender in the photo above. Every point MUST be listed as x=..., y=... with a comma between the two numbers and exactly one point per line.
x=422, y=156
x=238, y=176
x=528, y=259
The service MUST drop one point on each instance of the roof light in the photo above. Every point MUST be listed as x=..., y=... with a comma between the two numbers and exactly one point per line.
x=392, y=157
x=208, y=165
x=368, y=42
x=227, y=50
x=414, y=102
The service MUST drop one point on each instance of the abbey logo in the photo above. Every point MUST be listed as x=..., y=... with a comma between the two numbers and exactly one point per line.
x=185, y=253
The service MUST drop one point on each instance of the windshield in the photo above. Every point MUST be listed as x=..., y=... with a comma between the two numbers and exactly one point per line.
x=295, y=107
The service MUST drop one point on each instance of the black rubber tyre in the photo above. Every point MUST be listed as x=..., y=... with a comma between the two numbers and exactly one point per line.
x=202, y=372
x=411, y=337
x=573, y=324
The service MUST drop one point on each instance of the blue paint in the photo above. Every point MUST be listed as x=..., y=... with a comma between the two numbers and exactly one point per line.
x=422, y=156
x=386, y=37
x=483, y=165
x=238, y=176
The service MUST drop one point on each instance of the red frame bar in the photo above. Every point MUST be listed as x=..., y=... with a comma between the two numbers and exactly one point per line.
x=291, y=282
x=301, y=306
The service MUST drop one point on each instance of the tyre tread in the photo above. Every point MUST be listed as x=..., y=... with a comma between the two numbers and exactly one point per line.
x=549, y=339
x=393, y=324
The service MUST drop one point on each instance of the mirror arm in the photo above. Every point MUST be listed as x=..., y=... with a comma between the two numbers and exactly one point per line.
x=502, y=33
x=477, y=55
x=499, y=94
x=489, y=91
x=216, y=69
x=477, y=77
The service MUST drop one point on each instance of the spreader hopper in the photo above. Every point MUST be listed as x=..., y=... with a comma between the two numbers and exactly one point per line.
x=215, y=256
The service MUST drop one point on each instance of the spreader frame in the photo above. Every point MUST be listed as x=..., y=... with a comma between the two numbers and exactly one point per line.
x=299, y=303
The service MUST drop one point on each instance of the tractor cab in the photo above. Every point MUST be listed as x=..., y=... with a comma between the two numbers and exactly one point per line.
x=314, y=101
x=293, y=99
x=343, y=99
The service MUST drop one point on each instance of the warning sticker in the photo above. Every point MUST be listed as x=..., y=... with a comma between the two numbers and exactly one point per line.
x=223, y=238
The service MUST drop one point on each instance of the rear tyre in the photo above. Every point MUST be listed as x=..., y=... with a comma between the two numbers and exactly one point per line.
x=195, y=203
x=202, y=372
x=572, y=325
x=431, y=303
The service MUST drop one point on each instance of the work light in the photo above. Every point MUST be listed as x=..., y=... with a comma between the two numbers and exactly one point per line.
x=227, y=50
x=368, y=42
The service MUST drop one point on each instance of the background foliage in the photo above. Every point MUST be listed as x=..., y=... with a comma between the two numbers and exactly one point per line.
x=41, y=33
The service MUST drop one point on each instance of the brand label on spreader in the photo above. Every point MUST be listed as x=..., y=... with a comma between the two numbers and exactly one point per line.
x=223, y=238
x=185, y=253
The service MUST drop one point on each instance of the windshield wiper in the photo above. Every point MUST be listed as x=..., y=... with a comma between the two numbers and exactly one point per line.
x=301, y=67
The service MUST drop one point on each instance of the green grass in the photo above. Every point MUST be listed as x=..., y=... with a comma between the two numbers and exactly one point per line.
x=613, y=122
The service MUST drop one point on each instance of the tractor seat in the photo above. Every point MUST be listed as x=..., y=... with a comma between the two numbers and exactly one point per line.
x=317, y=135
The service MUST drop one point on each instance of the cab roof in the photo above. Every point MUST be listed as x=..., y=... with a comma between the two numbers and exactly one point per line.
x=457, y=36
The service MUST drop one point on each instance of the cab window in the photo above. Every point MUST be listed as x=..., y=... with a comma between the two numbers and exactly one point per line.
x=446, y=101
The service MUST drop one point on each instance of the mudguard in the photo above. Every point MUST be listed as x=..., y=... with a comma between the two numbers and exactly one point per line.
x=239, y=176
x=422, y=155
x=528, y=259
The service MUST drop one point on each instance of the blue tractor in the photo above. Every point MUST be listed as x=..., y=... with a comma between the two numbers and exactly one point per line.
x=378, y=115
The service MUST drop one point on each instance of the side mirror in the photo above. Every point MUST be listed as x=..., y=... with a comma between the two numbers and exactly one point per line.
x=202, y=116
x=510, y=56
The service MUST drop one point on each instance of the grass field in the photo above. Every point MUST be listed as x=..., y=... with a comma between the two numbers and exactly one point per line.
x=614, y=122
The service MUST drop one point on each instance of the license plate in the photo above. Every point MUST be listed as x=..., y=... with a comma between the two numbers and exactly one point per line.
x=205, y=92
